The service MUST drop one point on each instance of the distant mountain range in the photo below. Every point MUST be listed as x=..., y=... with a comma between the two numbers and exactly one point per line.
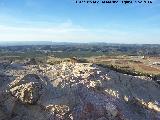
x=22, y=43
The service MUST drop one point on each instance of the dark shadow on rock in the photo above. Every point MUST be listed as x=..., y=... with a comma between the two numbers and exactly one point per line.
x=133, y=95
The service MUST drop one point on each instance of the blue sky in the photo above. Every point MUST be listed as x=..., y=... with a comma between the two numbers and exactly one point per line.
x=67, y=21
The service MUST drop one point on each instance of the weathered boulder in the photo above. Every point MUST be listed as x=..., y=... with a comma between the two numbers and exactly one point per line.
x=27, y=93
x=27, y=89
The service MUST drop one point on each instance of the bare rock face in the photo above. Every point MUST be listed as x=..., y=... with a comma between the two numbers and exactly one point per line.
x=94, y=106
x=60, y=111
x=27, y=89
x=4, y=80
x=79, y=91
x=27, y=93
x=26, y=79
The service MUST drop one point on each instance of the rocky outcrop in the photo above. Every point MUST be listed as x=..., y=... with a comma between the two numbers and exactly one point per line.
x=27, y=90
x=79, y=91
x=27, y=93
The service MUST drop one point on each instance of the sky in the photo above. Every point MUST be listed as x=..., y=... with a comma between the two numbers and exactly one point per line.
x=68, y=21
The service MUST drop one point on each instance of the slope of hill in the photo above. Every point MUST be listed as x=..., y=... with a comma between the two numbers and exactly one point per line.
x=75, y=91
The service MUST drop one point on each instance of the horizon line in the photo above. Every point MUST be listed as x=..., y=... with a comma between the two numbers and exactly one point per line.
x=46, y=42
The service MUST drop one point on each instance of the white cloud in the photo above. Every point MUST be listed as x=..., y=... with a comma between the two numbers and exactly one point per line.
x=67, y=31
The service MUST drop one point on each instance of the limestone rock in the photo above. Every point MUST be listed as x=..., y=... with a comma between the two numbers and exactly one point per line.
x=27, y=93
x=79, y=91
x=59, y=110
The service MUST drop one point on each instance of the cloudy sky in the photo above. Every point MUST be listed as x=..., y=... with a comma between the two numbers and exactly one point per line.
x=68, y=21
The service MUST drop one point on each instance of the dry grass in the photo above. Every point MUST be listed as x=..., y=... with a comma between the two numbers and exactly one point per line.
x=135, y=64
